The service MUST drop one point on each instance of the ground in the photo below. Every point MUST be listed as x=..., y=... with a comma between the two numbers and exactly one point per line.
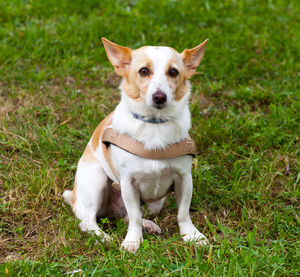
x=56, y=85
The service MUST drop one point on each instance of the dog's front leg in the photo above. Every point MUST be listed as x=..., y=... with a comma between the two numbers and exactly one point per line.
x=183, y=192
x=131, y=198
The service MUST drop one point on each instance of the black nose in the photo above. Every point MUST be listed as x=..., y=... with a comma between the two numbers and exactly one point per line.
x=159, y=97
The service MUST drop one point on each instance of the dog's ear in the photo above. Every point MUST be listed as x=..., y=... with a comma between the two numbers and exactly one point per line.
x=192, y=58
x=119, y=56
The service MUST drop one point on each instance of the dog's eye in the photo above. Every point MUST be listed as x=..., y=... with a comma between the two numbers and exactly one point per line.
x=144, y=71
x=173, y=72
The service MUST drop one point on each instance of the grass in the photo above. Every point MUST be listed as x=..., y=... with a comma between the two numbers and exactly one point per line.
x=56, y=85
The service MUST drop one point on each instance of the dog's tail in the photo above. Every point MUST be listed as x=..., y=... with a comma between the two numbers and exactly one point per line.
x=69, y=197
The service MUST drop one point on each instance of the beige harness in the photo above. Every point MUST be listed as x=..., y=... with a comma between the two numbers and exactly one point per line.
x=123, y=141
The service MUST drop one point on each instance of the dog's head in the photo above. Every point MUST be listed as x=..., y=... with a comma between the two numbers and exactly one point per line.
x=155, y=76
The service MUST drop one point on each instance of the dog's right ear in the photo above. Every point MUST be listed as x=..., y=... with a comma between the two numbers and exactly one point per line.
x=119, y=57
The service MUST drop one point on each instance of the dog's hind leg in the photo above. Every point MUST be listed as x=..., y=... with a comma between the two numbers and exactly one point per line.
x=153, y=207
x=89, y=196
x=148, y=226
x=151, y=227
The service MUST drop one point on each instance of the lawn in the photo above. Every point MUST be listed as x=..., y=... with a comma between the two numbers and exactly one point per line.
x=56, y=85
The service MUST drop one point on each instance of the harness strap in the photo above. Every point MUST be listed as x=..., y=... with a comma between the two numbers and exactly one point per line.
x=107, y=155
x=123, y=141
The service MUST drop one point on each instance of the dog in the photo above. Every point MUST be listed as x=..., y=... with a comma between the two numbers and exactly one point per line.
x=153, y=112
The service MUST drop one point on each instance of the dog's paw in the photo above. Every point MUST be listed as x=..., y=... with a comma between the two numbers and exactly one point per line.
x=94, y=229
x=102, y=236
x=151, y=227
x=195, y=236
x=105, y=238
x=131, y=246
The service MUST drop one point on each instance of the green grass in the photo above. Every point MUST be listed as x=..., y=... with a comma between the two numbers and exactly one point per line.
x=56, y=85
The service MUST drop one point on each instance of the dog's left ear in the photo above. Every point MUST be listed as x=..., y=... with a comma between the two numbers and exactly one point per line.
x=192, y=58
x=119, y=56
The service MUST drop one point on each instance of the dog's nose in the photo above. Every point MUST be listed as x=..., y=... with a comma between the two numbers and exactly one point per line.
x=159, y=97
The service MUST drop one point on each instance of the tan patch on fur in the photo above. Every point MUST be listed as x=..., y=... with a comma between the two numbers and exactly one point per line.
x=134, y=85
x=74, y=197
x=119, y=56
x=99, y=131
x=88, y=155
x=131, y=90
x=180, y=92
x=192, y=58
x=178, y=84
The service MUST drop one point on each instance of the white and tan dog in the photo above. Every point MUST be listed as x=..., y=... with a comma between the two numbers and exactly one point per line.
x=154, y=111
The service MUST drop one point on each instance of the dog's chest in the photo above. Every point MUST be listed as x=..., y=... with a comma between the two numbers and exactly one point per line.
x=153, y=178
x=154, y=184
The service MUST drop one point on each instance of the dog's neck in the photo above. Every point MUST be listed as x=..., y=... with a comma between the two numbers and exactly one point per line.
x=152, y=120
x=175, y=122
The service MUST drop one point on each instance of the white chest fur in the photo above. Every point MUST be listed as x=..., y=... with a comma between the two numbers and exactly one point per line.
x=152, y=178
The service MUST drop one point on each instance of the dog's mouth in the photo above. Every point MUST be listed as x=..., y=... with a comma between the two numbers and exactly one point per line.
x=159, y=106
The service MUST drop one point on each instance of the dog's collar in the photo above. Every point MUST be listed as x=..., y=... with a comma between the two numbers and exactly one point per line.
x=150, y=120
